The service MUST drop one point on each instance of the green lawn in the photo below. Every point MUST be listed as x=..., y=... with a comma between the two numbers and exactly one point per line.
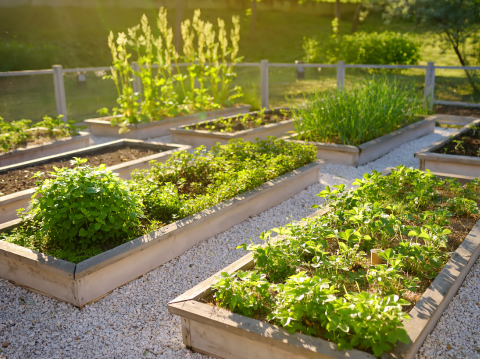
x=80, y=35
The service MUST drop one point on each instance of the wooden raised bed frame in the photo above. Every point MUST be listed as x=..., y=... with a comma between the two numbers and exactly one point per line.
x=452, y=120
x=197, y=138
x=95, y=277
x=222, y=334
x=33, y=152
x=143, y=131
x=454, y=165
x=11, y=202
x=369, y=151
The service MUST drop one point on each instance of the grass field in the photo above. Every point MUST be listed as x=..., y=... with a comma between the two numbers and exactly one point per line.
x=80, y=36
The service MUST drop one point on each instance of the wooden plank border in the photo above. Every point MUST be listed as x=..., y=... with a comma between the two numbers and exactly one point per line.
x=272, y=341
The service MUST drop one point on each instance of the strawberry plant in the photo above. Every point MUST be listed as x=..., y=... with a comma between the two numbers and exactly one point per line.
x=317, y=278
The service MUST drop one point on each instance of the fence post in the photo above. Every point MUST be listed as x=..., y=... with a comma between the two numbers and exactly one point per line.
x=264, y=83
x=59, y=86
x=340, y=75
x=137, y=83
x=429, y=86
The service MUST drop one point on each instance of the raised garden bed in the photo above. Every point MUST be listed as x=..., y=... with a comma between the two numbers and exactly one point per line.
x=121, y=156
x=271, y=123
x=371, y=150
x=142, y=131
x=209, y=329
x=113, y=264
x=49, y=148
x=457, y=155
x=454, y=120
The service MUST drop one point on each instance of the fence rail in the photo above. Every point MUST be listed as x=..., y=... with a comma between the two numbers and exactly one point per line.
x=61, y=104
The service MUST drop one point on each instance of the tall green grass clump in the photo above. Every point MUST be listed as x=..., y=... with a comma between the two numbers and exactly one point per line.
x=358, y=115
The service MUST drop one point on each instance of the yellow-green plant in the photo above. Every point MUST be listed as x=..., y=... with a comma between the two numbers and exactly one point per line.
x=166, y=92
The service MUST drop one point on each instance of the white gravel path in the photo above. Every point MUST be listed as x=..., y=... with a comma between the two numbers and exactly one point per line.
x=133, y=322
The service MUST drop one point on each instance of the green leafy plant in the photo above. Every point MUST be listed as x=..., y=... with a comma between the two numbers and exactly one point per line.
x=92, y=207
x=19, y=133
x=166, y=91
x=316, y=276
x=357, y=115
x=188, y=183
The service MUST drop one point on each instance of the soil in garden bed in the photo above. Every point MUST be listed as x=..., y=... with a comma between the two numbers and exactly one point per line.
x=21, y=179
x=457, y=111
x=467, y=145
x=244, y=122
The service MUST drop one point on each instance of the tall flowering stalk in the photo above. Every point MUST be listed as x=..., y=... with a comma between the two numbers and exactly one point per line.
x=166, y=92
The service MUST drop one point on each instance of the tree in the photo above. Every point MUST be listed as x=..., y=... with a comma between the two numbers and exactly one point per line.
x=457, y=22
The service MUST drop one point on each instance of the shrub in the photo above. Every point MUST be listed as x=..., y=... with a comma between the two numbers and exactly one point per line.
x=17, y=56
x=359, y=114
x=384, y=48
x=188, y=183
x=83, y=207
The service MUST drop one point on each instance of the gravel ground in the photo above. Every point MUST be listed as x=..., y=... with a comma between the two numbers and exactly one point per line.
x=133, y=321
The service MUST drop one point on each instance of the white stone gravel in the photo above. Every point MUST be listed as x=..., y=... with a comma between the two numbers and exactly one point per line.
x=133, y=321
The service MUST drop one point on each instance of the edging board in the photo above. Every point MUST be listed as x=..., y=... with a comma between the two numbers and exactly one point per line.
x=453, y=120
x=369, y=151
x=197, y=138
x=10, y=203
x=47, y=149
x=223, y=334
x=449, y=164
x=99, y=275
x=142, y=131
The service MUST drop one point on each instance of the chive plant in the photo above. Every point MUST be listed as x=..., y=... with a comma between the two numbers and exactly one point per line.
x=359, y=114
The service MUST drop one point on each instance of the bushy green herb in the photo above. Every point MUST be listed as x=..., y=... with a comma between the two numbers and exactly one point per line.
x=188, y=183
x=317, y=277
x=357, y=115
x=19, y=133
x=79, y=211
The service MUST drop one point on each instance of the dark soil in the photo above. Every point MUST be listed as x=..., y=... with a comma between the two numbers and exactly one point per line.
x=457, y=110
x=231, y=125
x=467, y=145
x=20, y=179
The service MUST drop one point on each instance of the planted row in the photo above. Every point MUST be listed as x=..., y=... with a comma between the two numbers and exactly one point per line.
x=83, y=211
x=167, y=90
x=319, y=278
x=21, y=133
x=360, y=114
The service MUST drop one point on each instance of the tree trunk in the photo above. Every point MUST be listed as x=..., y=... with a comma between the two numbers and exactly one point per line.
x=253, y=19
x=356, y=18
x=177, y=33
x=462, y=62
x=337, y=9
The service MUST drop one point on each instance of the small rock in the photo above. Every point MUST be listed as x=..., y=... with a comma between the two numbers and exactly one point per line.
x=10, y=322
x=449, y=346
x=5, y=344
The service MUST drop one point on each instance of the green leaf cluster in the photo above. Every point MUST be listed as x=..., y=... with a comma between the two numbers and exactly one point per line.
x=80, y=208
x=190, y=182
x=375, y=48
x=316, y=276
x=19, y=133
